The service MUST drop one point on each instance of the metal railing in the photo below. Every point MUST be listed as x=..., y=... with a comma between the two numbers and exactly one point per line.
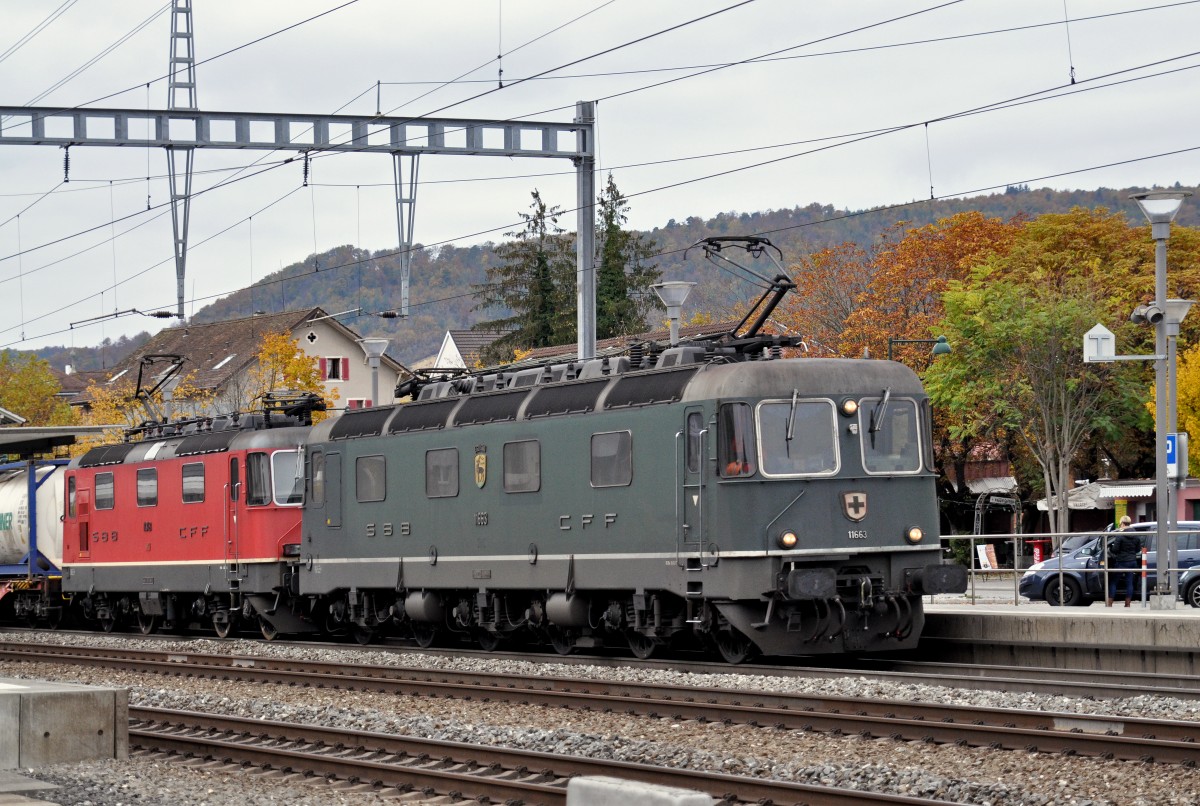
x=1044, y=548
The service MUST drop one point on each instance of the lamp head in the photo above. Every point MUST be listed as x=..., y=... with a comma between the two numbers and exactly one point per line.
x=1160, y=206
x=673, y=292
x=373, y=347
x=941, y=346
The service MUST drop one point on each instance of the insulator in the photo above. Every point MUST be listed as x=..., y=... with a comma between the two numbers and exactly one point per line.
x=387, y=314
x=306, y=169
x=776, y=352
x=66, y=164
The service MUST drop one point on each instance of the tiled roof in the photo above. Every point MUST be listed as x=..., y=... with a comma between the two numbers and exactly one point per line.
x=470, y=343
x=213, y=352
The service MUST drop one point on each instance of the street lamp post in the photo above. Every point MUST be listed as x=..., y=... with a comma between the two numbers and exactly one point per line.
x=673, y=293
x=1160, y=208
x=940, y=345
x=374, y=349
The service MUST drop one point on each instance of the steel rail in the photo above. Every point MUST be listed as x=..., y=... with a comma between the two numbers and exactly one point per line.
x=470, y=770
x=1165, y=741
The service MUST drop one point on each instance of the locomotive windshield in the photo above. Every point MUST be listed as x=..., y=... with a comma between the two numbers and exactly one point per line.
x=287, y=468
x=797, y=437
x=890, y=436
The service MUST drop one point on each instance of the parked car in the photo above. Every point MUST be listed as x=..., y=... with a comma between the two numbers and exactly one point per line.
x=1082, y=569
x=1189, y=586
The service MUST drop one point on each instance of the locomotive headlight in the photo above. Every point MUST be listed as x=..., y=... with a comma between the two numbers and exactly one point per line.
x=914, y=534
x=788, y=540
x=849, y=407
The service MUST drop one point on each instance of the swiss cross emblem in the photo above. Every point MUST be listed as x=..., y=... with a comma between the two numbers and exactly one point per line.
x=854, y=505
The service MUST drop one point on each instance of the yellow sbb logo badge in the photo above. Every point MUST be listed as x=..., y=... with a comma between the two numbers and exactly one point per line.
x=480, y=470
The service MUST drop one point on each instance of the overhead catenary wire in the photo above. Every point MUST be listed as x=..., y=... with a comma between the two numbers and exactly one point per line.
x=280, y=280
x=753, y=166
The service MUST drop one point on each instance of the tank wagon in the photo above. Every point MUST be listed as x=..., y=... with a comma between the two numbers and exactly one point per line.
x=31, y=494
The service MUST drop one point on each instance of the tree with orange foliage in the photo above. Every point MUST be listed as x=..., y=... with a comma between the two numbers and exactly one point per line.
x=829, y=284
x=903, y=299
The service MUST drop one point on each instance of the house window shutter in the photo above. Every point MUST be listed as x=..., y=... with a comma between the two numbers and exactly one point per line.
x=345, y=369
x=324, y=375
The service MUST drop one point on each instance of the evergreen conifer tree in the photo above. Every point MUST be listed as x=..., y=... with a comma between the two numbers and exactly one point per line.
x=623, y=278
x=535, y=280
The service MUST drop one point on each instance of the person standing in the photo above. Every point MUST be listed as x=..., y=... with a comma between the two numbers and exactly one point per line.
x=1123, y=554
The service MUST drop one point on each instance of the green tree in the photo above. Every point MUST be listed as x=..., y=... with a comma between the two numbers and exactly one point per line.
x=534, y=282
x=28, y=389
x=1017, y=322
x=623, y=277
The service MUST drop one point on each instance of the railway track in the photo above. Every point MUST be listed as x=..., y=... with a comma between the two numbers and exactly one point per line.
x=402, y=765
x=1147, y=740
x=1093, y=683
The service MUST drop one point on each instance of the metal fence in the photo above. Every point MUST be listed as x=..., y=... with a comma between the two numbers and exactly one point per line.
x=1020, y=551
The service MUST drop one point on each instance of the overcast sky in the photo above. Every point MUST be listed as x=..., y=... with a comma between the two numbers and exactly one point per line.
x=838, y=70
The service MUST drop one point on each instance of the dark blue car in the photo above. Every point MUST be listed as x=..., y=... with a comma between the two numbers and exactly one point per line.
x=1083, y=578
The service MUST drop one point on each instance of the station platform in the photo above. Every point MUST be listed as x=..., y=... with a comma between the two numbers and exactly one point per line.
x=1134, y=639
x=49, y=723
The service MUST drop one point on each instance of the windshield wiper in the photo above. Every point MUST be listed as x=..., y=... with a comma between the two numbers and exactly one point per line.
x=791, y=425
x=877, y=414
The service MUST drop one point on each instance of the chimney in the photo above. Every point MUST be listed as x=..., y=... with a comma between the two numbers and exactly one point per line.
x=68, y=370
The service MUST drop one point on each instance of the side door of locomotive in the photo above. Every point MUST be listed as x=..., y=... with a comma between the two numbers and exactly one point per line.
x=692, y=465
x=233, y=507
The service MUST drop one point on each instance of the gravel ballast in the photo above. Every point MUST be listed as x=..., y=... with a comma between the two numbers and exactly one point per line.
x=957, y=774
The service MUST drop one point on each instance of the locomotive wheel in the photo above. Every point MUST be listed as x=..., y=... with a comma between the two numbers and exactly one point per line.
x=733, y=645
x=424, y=633
x=562, y=640
x=223, y=628
x=269, y=631
x=108, y=624
x=642, y=646
x=363, y=635
x=487, y=640
x=147, y=623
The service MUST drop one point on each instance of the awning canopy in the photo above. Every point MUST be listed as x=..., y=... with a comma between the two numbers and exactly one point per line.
x=1126, y=491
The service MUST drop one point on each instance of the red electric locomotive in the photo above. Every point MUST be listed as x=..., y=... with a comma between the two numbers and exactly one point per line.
x=189, y=525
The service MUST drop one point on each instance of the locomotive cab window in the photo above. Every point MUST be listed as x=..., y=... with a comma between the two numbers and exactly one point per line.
x=258, y=480
x=318, y=479
x=522, y=467
x=889, y=434
x=147, y=487
x=287, y=469
x=798, y=437
x=441, y=473
x=695, y=435
x=370, y=482
x=612, y=459
x=105, y=493
x=70, y=496
x=735, y=440
x=193, y=483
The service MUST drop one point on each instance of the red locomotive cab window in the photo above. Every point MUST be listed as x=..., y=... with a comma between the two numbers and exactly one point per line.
x=258, y=480
x=70, y=496
x=735, y=435
x=235, y=481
